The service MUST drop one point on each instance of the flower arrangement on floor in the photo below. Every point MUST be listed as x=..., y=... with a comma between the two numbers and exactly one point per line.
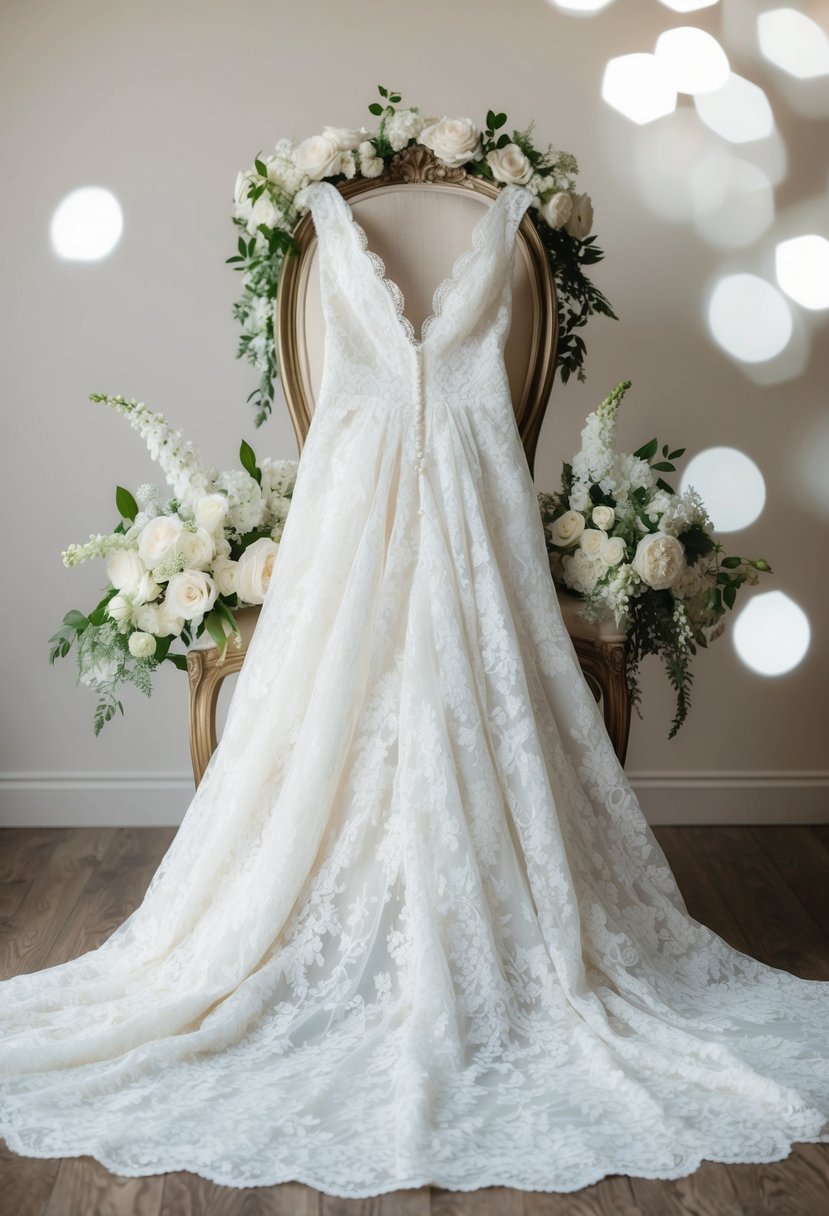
x=622, y=538
x=176, y=567
x=266, y=214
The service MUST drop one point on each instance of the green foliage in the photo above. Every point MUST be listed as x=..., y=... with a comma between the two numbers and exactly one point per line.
x=126, y=504
x=248, y=461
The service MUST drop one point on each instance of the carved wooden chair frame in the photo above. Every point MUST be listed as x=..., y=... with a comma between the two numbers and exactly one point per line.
x=603, y=659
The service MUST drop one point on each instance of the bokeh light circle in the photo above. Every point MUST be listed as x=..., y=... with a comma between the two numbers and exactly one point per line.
x=771, y=633
x=749, y=318
x=87, y=224
x=730, y=484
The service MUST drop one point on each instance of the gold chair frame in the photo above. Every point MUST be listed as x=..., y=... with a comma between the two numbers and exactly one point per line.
x=602, y=657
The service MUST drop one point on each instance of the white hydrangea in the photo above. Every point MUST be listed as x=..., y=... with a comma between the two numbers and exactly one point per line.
x=582, y=572
x=403, y=126
x=278, y=476
x=245, y=503
x=684, y=511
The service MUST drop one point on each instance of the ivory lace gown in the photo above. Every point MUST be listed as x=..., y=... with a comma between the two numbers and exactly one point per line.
x=414, y=927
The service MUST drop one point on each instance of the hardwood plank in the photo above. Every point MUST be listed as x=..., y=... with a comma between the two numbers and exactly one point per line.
x=187, y=1194
x=704, y=899
x=707, y=1192
x=780, y=931
x=113, y=891
x=488, y=1201
x=802, y=859
x=24, y=850
x=797, y=1186
x=84, y=1187
x=611, y=1196
x=27, y=1182
x=27, y=936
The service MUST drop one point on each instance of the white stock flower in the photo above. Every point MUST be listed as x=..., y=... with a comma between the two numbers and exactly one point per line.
x=557, y=210
x=196, y=548
x=158, y=539
x=581, y=217
x=254, y=570
x=125, y=569
x=210, y=512
x=592, y=542
x=579, y=496
x=190, y=594
x=509, y=165
x=453, y=140
x=567, y=529
x=659, y=560
x=603, y=517
x=141, y=645
x=318, y=156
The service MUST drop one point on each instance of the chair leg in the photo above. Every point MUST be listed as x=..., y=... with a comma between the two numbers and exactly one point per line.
x=617, y=706
x=204, y=695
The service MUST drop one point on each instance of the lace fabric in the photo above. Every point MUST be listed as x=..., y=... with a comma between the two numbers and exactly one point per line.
x=414, y=927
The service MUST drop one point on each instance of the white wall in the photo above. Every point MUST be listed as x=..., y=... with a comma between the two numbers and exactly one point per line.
x=163, y=104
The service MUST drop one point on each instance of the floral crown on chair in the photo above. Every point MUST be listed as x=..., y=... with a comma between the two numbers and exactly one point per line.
x=407, y=146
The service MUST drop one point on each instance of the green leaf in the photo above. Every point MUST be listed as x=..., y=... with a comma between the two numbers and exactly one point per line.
x=731, y=563
x=647, y=450
x=490, y=120
x=261, y=168
x=375, y=108
x=213, y=625
x=383, y=92
x=664, y=466
x=761, y=564
x=674, y=455
x=242, y=247
x=178, y=660
x=76, y=620
x=503, y=140
x=729, y=594
x=499, y=121
x=227, y=616
x=395, y=97
x=248, y=460
x=126, y=504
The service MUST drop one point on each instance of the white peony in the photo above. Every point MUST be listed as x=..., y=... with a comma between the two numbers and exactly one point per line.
x=604, y=517
x=254, y=570
x=142, y=645
x=613, y=550
x=210, y=511
x=659, y=560
x=158, y=539
x=318, y=156
x=557, y=210
x=592, y=541
x=190, y=594
x=125, y=569
x=567, y=529
x=453, y=140
x=581, y=217
x=510, y=165
x=196, y=548
x=224, y=575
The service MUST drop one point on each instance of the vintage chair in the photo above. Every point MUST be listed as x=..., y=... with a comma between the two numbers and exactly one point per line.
x=418, y=216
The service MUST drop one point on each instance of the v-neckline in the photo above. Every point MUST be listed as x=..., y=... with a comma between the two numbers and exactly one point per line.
x=444, y=287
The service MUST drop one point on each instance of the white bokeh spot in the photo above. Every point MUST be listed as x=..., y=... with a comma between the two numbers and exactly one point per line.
x=692, y=60
x=730, y=484
x=86, y=225
x=749, y=318
x=637, y=87
x=739, y=111
x=794, y=42
x=802, y=269
x=771, y=633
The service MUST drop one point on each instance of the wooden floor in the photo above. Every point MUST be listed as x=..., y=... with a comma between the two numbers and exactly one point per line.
x=766, y=890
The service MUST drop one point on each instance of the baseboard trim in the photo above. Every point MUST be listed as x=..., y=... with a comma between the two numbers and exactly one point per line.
x=157, y=799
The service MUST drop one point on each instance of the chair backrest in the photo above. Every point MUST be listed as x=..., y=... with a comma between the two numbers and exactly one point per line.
x=418, y=216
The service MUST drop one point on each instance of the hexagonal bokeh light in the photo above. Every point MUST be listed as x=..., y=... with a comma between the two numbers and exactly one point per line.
x=638, y=87
x=794, y=42
x=583, y=7
x=802, y=268
x=749, y=318
x=692, y=60
x=86, y=224
x=739, y=111
x=771, y=634
x=687, y=6
x=730, y=484
x=743, y=212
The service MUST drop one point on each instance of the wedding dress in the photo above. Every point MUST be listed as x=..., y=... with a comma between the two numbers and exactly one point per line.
x=414, y=927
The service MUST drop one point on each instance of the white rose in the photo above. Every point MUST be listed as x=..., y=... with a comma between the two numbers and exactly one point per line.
x=146, y=589
x=196, y=548
x=592, y=541
x=158, y=539
x=224, y=575
x=120, y=608
x=264, y=212
x=509, y=164
x=613, y=551
x=254, y=570
x=567, y=529
x=167, y=622
x=604, y=517
x=190, y=594
x=125, y=569
x=659, y=560
x=210, y=511
x=346, y=138
x=318, y=156
x=453, y=140
x=557, y=210
x=147, y=618
x=581, y=217
x=142, y=645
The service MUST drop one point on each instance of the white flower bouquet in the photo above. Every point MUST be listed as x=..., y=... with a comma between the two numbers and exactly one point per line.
x=176, y=567
x=265, y=214
x=620, y=537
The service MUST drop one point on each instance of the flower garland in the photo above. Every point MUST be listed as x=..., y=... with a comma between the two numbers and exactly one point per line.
x=266, y=214
x=621, y=537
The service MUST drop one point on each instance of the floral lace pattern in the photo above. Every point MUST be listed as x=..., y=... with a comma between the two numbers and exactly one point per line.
x=414, y=927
